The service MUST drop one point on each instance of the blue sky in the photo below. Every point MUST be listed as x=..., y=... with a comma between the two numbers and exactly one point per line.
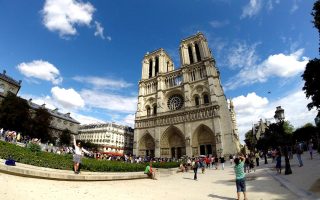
x=84, y=57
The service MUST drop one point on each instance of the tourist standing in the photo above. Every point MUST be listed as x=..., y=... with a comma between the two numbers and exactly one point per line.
x=77, y=155
x=257, y=159
x=299, y=151
x=310, y=147
x=240, y=176
x=222, y=160
x=216, y=161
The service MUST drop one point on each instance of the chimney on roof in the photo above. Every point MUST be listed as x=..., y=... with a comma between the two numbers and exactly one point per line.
x=55, y=110
x=30, y=100
x=20, y=81
x=4, y=72
x=43, y=105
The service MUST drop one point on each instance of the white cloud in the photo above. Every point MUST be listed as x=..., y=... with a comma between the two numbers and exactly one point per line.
x=251, y=9
x=108, y=101
x=270, y=4
x=83, y=119
x=219, y=24
x=68, y=98
x=109, y=38
x=294, y=6
x=99, y=30
x=129, y=120
x=103, y=83
x=251, y=108
x=41, y=70
x=278, y=65
x=242, y=55
x=63, y=15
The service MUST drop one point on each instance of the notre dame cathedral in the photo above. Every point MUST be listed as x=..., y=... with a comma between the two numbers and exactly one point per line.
x=183, y=111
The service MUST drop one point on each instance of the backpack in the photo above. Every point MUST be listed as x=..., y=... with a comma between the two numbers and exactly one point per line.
x=299, y=149
x=10, y=162
x=195, y=165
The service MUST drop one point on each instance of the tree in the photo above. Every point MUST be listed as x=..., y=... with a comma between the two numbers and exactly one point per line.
x=65, y=137
x=311, y=75
x=316, y=16
x=40, y=125
x=14, y=114
x=89, y=145
x=250, y=140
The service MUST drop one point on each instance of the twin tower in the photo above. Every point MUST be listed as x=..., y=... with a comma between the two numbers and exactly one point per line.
x=183, y=111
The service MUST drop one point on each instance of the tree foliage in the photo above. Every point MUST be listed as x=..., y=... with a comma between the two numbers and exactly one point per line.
x=316, y=16
x=311, y=75
x=40, y=125
x=306, y=132
x=277, y=134
x=14, y=114
x=250, y=140
x=65, y=137
x=89, y=145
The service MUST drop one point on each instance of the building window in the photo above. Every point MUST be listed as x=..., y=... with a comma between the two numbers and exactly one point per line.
x=197, y=101
x=190, y=54
x=157, y=66
x=205, y=99
x=197, y=52
x=154, y=110
x=150, y=68
x=148, y=111
x=2, y=88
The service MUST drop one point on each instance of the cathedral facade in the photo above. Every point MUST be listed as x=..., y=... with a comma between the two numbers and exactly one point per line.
x=183, y=111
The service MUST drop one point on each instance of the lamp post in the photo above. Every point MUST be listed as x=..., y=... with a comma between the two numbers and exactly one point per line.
x=279, y=117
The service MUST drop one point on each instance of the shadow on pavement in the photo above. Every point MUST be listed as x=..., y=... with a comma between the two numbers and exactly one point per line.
x=220, y=197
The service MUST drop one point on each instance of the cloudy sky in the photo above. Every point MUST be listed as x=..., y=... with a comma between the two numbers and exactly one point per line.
x=84, y=57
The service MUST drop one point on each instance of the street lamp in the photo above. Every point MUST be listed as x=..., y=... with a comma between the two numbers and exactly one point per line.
x=279, y=117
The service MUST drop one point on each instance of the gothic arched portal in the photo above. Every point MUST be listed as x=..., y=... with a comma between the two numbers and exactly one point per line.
x=203, y=141
x=146, y=145
x=172, y=144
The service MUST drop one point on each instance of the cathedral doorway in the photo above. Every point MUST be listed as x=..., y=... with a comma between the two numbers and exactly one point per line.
x=146, y=145
x=203, y=141
x=172, y=143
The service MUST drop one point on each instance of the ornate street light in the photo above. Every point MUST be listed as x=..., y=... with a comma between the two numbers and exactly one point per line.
x=279, y=117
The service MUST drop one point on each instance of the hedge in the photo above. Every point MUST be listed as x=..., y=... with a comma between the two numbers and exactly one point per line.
x=55, y=161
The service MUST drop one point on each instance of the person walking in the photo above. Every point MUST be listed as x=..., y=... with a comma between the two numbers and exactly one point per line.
x=231, y=159
x=299, y=151
x=240, y=176
x=310, y=148
x=77, y=155
x=194, y=165
x=257, y=159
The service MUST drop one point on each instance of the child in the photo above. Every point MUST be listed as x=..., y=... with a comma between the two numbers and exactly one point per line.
x=240, y=176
